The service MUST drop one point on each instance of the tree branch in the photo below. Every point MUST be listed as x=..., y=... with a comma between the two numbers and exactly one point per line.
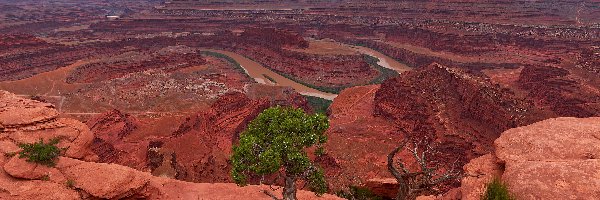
x=390, y=162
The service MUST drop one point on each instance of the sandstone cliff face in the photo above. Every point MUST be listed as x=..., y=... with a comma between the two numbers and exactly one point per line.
x=552, y=159
x=460, y=111
x=358, y=142
x=73, y=177
x=24, y=121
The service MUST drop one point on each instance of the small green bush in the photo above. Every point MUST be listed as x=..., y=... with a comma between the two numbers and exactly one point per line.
x=497, y=190
x=45, y=177
x=70, y=183
x=40, y=152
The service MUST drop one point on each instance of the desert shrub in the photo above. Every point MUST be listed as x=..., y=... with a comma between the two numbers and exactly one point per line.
x=45, y=177
x=359, y=193
x=70, y=183
x=40, y=152
x=318, y=104
x=275, y=142
x=384, y=73
x=496, y=190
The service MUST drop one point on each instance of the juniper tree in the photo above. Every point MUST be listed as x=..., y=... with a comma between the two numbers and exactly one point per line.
x=275, y=142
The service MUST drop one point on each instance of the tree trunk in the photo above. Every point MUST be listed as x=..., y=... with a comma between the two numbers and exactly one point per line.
x=289, y=190
x=403, y=190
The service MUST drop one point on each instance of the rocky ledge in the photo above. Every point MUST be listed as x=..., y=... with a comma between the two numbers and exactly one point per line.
x=553, y=159
x=76, y=175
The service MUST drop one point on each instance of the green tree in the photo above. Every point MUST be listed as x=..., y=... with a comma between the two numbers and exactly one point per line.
x=275, y=142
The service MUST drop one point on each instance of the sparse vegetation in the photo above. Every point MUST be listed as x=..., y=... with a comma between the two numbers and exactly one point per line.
x=318, y=104
x=40, y=152
x=10, y=154
x=427, y=179
x=275, y=143
x=385, y=73
x=359, y=193
x=270, y=78
x=45, y=177
x=70, y=183
x=333, y=90
x=496, y=190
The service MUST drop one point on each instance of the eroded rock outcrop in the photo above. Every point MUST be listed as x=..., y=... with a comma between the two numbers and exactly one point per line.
x=460, y=111
x=24, y=121
x=199, y=146
x=552, y=159
x=74, y=178
x=557, y=90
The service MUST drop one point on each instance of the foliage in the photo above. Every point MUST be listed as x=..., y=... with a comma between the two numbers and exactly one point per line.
x=276, y=139
x=384, y=73
x=496, y=190
x=359, y=193
x=70, y=183
x=318, y=104
x=40, y=152
x=45, y=177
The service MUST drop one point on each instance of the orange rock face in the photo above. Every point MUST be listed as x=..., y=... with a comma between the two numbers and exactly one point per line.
x=73, y=178
x=552, y=159
x=199, y=146
x=478, y=173
x=357, y=138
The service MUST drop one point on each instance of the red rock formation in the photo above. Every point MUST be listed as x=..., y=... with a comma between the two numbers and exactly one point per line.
x=99, y=71
x=23, y=121
x=460, y=112
x=72, y=178
x=109, y=129
x=199, y=149
x=551, y=159
x=554, y=89
x=274, y=38
x=357, y=138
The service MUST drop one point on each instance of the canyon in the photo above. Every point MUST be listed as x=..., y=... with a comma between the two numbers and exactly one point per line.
x=158, y=92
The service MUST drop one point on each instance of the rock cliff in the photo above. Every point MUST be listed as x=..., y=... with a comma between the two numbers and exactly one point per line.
x=553, y=159
x=74, y=176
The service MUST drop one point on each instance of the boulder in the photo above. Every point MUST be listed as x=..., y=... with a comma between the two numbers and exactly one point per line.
x=552, y=139
x=116, y=181
x=16, y=111
x=20, y=168
x=553, y=159
x=386, y=187
x=478, y=173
